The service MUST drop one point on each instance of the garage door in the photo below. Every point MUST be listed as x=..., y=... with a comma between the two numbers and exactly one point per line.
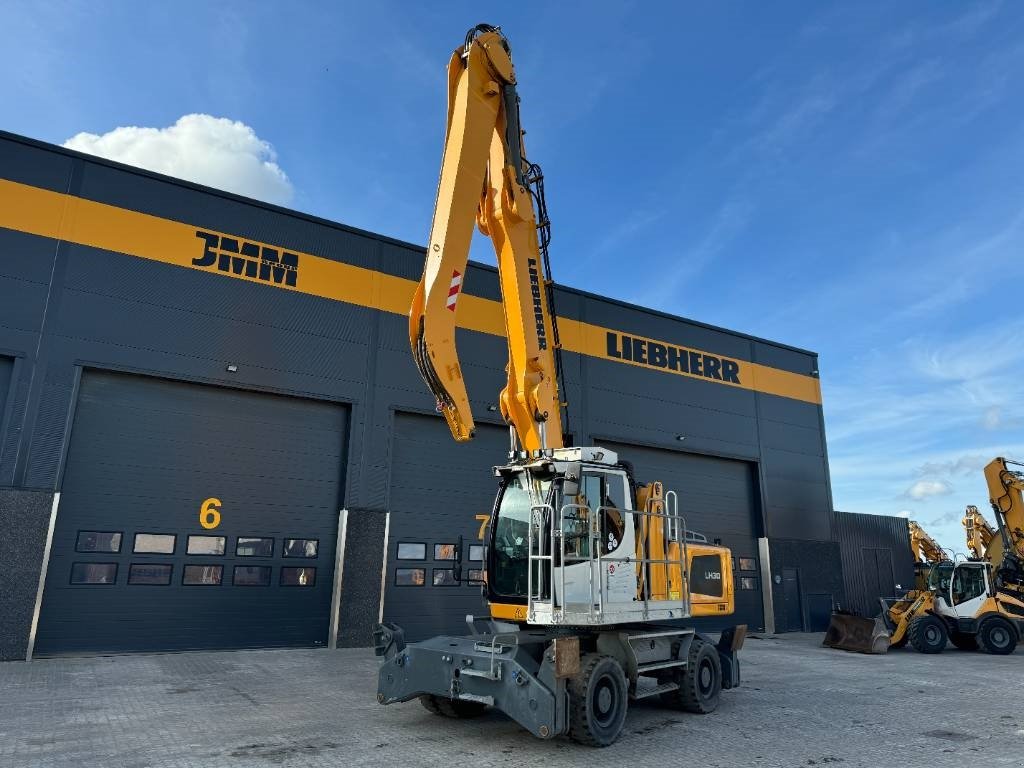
x=193, y=517
x=438, y=490
x=718, y=498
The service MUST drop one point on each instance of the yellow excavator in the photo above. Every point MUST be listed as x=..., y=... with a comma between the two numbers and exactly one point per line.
x=978, y=531
x=971, y=603
x=587, y=572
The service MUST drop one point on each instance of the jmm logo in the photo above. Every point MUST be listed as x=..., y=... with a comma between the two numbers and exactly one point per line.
x=538, y=310
x=238, y=257
x=658, y=355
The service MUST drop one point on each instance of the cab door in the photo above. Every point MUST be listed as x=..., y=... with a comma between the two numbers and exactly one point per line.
x=968, y=589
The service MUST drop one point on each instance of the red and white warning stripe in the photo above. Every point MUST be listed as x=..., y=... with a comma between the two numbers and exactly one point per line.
x=453, y=290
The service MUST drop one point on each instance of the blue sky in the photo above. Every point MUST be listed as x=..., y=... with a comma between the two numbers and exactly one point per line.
x=841, y=177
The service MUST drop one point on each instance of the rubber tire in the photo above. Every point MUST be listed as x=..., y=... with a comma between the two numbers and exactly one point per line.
x=964, y=642
x=700, y=681
x=997, y=636
x=598, y=701
x=928, y=634
x=453, y=708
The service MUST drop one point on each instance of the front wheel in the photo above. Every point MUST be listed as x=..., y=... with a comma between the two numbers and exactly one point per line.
x=997, y=636
x=598, y=699
x=928, y=634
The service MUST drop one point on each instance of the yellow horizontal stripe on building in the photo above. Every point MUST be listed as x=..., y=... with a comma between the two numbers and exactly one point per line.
x=73, y=219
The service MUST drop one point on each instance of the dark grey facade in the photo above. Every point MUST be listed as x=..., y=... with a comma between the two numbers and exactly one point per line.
x=876, y=557
x=125, y=376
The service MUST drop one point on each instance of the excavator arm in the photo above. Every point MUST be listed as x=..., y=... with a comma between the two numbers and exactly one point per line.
x=485, y=179
x=978, y=532
x=924, y=547
x=1006, y=494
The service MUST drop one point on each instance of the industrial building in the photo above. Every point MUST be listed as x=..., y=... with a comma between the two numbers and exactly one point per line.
x=212, y=433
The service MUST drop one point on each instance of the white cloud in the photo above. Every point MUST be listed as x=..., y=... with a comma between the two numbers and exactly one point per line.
x=924, y=489
x=215, y=151
x=961, y=465
x=906, y=514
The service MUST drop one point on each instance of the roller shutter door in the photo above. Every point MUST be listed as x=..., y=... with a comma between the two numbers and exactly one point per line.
x=438, y=488
x=132, y=566
x=718, y=498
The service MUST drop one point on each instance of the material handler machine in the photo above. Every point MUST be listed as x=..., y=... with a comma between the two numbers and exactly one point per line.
x=971, y=603
x=588, y=573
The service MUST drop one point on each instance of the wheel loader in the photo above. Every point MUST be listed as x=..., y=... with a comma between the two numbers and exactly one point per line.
x=975, y=603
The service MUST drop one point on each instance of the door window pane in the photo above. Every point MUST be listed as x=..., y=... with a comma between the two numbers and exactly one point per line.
x=748, y=582
x=299, y=548
x=476, y=576
x=93, y=573
x=149, y=573
x=252, y=576
x=476, y=552
x=411, y=551
x=968, y=583
x=410, y=577
x=298, y=577
x=444, y=551
x=98, y=541
x=249, y=546
x=444, y=577
x=154, y=543
x=748, y=564
x=206, y=545
x=202, y=575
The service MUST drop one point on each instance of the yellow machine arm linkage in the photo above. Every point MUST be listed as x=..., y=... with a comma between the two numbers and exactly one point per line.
x=485, y=178
x=1006, y=493
x=979, y=533
x=924, y=547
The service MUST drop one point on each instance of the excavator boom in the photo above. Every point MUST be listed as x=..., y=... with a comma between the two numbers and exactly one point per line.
x=1006, y=494
x=924, y=547
x=978, y=532
x=486, y=180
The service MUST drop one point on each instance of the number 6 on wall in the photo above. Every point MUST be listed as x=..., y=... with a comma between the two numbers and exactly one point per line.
x=209, y=513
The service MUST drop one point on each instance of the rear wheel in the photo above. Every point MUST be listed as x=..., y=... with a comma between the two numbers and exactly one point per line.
x=598, y=699
x=964, y=641
x=455, y=708
x=997, y=636
x=928, y=634
x=700, y=681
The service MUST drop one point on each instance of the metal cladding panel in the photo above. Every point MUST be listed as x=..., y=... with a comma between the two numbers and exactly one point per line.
x=437, y=489
x=36, y=165
x=785, y=358
x=718, y=498
x=25, y=257
x=858, y=534
x=145, y=454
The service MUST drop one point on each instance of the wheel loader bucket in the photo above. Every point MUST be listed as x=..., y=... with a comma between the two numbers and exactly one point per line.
x=855, y=633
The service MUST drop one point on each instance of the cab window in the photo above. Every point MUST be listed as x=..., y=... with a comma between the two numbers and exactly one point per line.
x=607, y=493
x=968, y=583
